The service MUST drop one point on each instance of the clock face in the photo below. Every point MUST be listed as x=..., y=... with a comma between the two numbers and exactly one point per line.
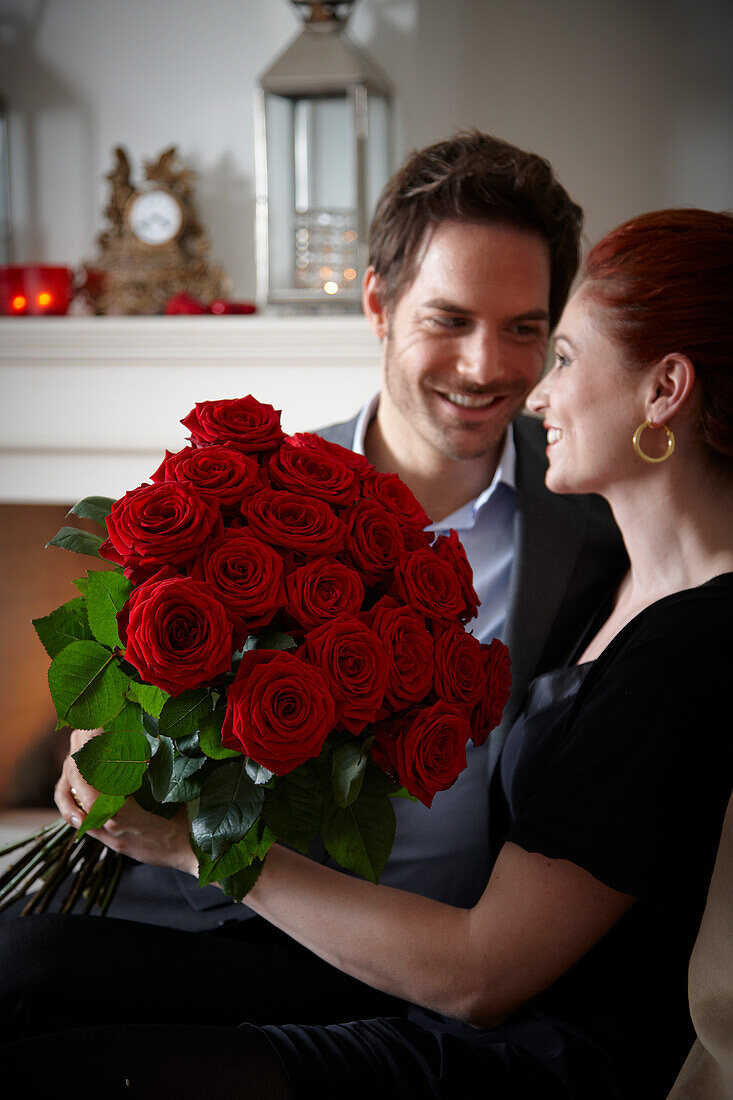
x=155, y=217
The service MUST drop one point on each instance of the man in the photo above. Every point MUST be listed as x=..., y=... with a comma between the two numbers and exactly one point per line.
x=473, y=248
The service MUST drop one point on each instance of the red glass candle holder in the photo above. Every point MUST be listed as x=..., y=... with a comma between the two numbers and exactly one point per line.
x=35, y=290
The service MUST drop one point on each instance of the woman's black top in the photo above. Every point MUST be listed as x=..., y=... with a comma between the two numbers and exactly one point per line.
x=624, y=766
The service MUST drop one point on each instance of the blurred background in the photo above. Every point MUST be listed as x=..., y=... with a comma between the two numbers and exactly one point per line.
x=631, y=102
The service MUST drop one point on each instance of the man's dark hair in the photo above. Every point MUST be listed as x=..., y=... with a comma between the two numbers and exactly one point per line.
x=473, y=177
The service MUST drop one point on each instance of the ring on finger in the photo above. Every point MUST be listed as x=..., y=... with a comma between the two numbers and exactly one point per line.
x=75, y=795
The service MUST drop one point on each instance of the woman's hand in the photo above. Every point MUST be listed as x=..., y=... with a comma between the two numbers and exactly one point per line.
x=132, y=831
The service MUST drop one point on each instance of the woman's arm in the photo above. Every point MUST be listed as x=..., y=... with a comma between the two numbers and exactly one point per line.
x=536, y=918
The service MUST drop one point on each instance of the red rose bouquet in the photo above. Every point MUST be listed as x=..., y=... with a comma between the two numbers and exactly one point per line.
x=281, y=648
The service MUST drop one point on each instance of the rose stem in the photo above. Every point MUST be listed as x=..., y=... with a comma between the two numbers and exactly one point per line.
x=89, y=859
x=112, y=888
x=27, y=865
x=40, y=901
x=97, y=889
x=59, y=826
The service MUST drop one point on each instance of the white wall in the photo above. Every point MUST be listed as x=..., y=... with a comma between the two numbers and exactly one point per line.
x=631, y=100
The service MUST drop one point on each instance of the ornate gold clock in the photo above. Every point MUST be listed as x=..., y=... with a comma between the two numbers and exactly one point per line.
x=153, y=245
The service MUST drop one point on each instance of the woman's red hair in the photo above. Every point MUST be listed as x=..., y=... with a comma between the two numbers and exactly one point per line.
x=666, y=282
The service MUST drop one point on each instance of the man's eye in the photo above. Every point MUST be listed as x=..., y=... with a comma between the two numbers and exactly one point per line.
x=561, y=360
x=527, y=330
x=445, y=320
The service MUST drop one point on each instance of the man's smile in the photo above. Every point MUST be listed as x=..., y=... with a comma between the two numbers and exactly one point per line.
x=470, y=400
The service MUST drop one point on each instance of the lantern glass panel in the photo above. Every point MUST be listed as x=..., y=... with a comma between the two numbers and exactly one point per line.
x=281, y=189
x=324, y=222
x=378, y=160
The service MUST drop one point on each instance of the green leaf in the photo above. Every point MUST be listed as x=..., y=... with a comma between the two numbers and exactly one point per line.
x=129, y=720
x=107, y=594
x=230, y=804
x=402, y=792
x=271, y=639
x=161, y=769
x=87, y=686
x=144, y=797
x=348, y=767
x=105, y=806
x=239, y=868
x=95, y=508
x=186, y=779
x=360, y=837
x=81, y=542
x=171, y=775
x=189, y=745
x=239, y=885
x=63, y=626
x=294, y=807
x=150, y=698
x=257, y=772
x=114, y=763
x=183, y=713
x=82, y=583
x=378, y=782
x=150, y=724
x=210, y=737
x=237, y=857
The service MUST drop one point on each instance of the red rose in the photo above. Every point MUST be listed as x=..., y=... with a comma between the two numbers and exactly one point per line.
x=459, y=667
x=354, y=662
x=375, y=540
x=294, y=522
x=176, y=633
x=279, y=710
x=301, y=470
x=409, y=647
x=449, y=548
x=392, y=493
x=430, y=585
x=158, y=525
x=428, y=753
x=318, y=445
x=240, y=422
x=246, y=575
x=487, y=714
x=222, y=475
x=322, y=589
x=415, y=539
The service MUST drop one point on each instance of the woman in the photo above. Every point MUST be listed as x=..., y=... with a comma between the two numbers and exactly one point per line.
x=568, y=978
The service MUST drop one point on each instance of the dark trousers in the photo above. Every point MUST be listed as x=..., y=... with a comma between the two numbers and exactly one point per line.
x=114, y=1008
x=61, y=972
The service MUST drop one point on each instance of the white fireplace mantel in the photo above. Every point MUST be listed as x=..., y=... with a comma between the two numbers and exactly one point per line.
x=89, y=404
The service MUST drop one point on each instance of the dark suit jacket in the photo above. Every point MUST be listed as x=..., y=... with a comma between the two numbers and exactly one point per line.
x=568, y=557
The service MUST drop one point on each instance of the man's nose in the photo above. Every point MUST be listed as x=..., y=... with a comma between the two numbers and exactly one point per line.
x=479, y=356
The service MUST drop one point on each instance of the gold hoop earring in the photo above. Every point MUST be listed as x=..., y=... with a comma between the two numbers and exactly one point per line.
x=637, y=443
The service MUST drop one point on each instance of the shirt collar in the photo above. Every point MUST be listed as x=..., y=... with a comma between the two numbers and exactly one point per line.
x=466, y=516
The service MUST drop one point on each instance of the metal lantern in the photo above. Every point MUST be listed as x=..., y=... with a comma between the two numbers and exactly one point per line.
x=322, y=141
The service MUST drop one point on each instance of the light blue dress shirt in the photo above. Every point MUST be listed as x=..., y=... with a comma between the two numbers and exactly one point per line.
x=443, y=852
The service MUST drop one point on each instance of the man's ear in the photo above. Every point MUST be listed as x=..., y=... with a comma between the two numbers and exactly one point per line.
x=372, y=293
x=672, y=385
